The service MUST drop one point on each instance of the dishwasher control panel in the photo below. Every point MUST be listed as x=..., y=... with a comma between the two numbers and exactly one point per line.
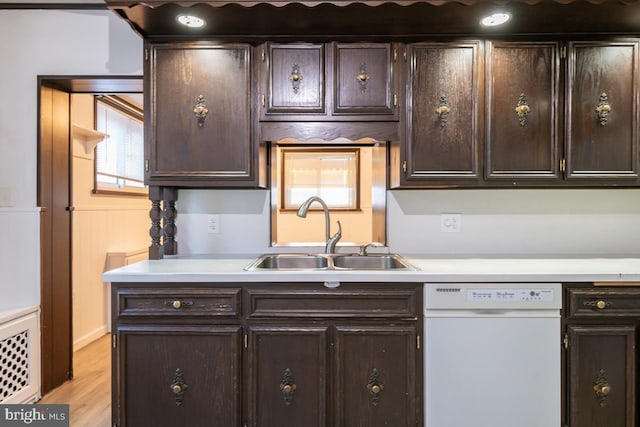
x=492, y=296
x=520, y=295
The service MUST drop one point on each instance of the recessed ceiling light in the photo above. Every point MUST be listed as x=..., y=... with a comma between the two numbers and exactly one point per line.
x=191, y=21
x=495, y=19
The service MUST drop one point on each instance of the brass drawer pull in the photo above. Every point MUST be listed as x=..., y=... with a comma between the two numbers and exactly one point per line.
x=599, y=304
x=178, y=304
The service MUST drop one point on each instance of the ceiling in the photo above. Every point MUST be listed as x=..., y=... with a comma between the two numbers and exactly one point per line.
x=252, y=20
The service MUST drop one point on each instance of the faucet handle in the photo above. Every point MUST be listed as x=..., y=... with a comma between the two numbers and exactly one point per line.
x=363, y=249
x=339, y=232
x=333, y=240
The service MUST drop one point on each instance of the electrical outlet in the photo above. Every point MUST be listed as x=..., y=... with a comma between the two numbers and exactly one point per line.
x=450, y=223
x=6, y=197
x=213, y=224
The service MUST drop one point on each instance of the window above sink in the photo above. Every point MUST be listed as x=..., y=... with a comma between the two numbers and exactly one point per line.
x=350, y=177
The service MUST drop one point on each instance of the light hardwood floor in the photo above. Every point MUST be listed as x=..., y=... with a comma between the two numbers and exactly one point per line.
x=89, y=392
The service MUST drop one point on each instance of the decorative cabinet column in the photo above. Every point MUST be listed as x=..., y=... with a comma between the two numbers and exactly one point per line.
x=602, y=140
x=522, y=113
x=163, y=216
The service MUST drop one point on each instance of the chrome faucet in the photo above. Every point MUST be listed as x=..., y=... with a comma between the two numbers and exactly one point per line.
x=330, y=247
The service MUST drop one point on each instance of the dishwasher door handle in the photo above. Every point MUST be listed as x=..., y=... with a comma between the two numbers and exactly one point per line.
x=488, y=313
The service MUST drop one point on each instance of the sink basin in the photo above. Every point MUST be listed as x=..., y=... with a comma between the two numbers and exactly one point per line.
x=303, y=262
x=370, y=262
x=290, y=262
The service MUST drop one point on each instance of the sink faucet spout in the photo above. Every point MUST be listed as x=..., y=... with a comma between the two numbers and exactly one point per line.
x=331, y=241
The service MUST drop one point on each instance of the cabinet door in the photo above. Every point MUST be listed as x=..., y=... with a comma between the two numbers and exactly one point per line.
x=601, y=376
x=214, y=146
x=287, y=376
x=602, y=103
x=442, y=124
x=177, y=376
x=376, y=378
x=522, y=111
x=295, y=80
x=363, y=79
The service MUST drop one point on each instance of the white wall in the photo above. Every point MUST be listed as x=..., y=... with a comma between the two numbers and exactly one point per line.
x=100, y=224
x=43, y=42
x=494, y=222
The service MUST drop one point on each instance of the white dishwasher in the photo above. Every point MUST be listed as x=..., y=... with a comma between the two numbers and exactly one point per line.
x=492, y=354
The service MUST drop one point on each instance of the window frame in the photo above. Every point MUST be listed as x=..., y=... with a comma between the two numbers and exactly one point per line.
x=117, y=103
x=320, y=151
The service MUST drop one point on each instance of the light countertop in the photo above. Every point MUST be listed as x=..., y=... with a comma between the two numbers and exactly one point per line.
x=428, y=269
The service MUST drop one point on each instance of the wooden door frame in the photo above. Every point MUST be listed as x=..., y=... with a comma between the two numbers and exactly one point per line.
x=54, y=198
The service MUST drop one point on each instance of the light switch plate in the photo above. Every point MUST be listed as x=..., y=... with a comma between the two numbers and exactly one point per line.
x=213, y=224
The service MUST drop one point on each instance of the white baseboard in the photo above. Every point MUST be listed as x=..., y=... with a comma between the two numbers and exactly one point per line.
x=89, y=338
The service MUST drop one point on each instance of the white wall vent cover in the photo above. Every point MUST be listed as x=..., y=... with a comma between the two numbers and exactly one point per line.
x=14, y=360
x=19, y=356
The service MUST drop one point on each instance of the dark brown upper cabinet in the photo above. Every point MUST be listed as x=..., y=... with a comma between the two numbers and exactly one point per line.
x=199, y=130
x=441, y=141
x=295, y=80
x=522, y=115
x=328, y=82
x=364, y=80
x=602, y=111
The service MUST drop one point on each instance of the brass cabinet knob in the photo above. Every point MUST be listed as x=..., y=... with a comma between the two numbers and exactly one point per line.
x=200, y=110
x=375, y=389
x=178, y=304
x=603, y=389
x=295, y=77
x=601, y=304
x=603, y=109
x=288, y=388
x=176, y=388
x=362, y=76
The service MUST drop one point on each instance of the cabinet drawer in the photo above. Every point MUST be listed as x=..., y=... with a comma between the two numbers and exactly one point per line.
x=589, y=303
x=178, y=302
x=318, y=301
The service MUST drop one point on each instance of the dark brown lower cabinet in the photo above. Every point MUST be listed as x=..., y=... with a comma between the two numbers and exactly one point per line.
x=187, y=376
x=374, y=370
x=288, y=368
x=267, y=355
x=602, y=359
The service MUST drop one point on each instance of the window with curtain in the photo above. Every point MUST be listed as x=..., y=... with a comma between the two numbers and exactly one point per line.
x=119, y=159
x=330, y=173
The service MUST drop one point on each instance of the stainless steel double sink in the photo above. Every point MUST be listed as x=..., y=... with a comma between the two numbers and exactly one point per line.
x=329, y=262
